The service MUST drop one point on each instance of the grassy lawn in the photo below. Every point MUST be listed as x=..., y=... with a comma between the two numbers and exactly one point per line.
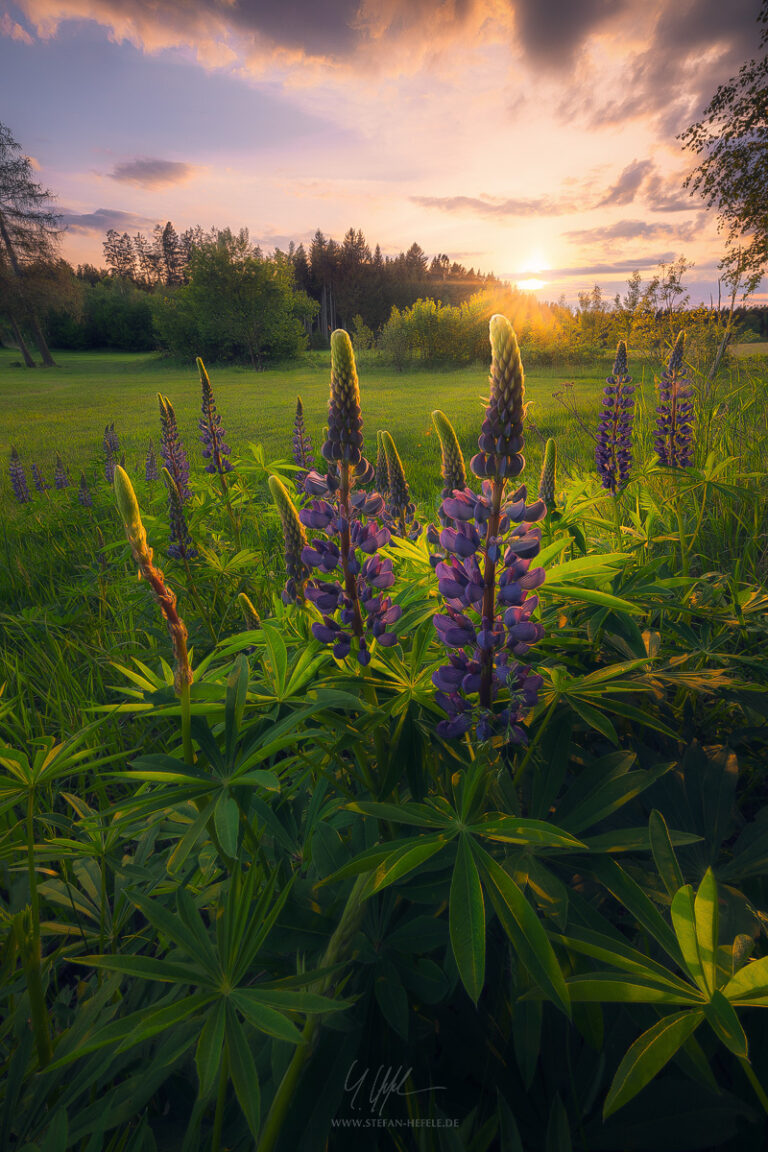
x=64, y=409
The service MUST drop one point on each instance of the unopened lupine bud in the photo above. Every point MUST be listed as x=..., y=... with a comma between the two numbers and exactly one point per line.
x=453, y=469
x=382, y=475
x=302, y=444
x=150, y=464
x=295, y=539
x=501, y=438
x=111, y=439
x=128, y=508
x=613, y=448
x=181, y=546
x=344, y=443
x=251, y=618
x=41, y=484
x=60, y=477
x=171, y=448
x=674, y=414
x=83, y=492
x=548, y=481
x=215, y=449
x=399, y=505
x=18, y=479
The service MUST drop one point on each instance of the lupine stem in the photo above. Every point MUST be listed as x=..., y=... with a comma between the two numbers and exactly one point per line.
x=749, y=1072
x=186, y=723
x=489, y=594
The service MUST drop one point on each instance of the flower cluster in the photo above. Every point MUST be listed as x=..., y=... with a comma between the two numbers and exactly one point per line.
x=150, y=464
x=354, y=609
x=674, y=414
x=215, y=448
x=18, y=479
x=613, y=451
x=485, y=574
x=171, y=448
x=60, y=475
x=302, y=444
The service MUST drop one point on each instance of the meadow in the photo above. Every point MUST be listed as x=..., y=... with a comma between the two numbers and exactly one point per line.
x=260, y=852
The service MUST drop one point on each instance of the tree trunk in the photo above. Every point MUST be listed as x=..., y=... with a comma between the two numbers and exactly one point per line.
x=40, y=340
x=20, y=341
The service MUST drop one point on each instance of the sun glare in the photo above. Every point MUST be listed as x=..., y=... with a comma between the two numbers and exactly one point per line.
x=531, y=284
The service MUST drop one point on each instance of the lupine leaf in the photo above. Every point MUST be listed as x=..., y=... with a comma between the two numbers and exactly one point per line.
x=209, y=1046
x=707, y=916
x=648, y=1055
x=466, y=919
x=663, y=853
x=684, y=921
x=243, y=1071
x=749, y=981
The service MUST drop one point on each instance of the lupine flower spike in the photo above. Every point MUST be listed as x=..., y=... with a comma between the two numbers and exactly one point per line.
x=142, y=554
x=83, y=492
x=490, y=536
x=613, y=450
x=381, y=480
x=453, y=470
x=41, y=484
x=60, y=475
x=111, y=439
x=353, y=610
x=171, y=448
x=674, y=415
x=181, y=546
x=18, y=479
x=400, y=508
x=548, y=480
x=150, y=464
x=302, y=445
x=215, y=448
x=295, y=542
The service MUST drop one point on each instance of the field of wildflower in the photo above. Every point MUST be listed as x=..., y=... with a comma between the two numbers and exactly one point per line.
x=383, y=765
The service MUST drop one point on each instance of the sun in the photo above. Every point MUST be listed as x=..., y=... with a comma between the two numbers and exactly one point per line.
x=536, y=262
x=531, y=284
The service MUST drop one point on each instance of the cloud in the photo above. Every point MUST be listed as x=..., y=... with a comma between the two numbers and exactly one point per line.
x=613, y=267
x=102, y=220
x=145, y=172
x=552, y=32
x=495, y=207
x=626, y=187
x=635, y=230
x=13, y=30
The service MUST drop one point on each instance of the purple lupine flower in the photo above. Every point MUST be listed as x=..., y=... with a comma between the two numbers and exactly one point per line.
x=110, y=462
x=83, y=492
x=354, y=611
x=215, y=448
x=295, y=539
x=302, y=444
x=60, y=475
x=41, y=484
x=613, y=450
x=181, y=546
x=111, y=439
x=18, y=479
x=150, y=464
x=674, y=414
x=172, y=449
x=485, y=574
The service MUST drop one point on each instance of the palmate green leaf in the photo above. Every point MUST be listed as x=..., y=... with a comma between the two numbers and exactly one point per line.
x=635, y=840
x=524, y=929
x=648, y=1055
x=371, y=857
x=621, y=955
x=185, y=930
x=289, y=1000
x=209, y=1047
x=466, y=921
x=664, y=853
x=243, y=1071
x=592, y=596
x=631, y=895
x=707, y=916
x=684, y=922
x=418, y=815
x=594, y=718
x=237, y=691
x=722, y=1018
x=536, y=833
x=278, y=654
x=147, y=968
x=609, y=796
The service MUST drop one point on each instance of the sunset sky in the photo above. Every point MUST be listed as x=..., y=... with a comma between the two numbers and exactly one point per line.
x=531, y=138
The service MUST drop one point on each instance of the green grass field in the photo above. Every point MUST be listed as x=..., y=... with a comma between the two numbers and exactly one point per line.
x=64, y=409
